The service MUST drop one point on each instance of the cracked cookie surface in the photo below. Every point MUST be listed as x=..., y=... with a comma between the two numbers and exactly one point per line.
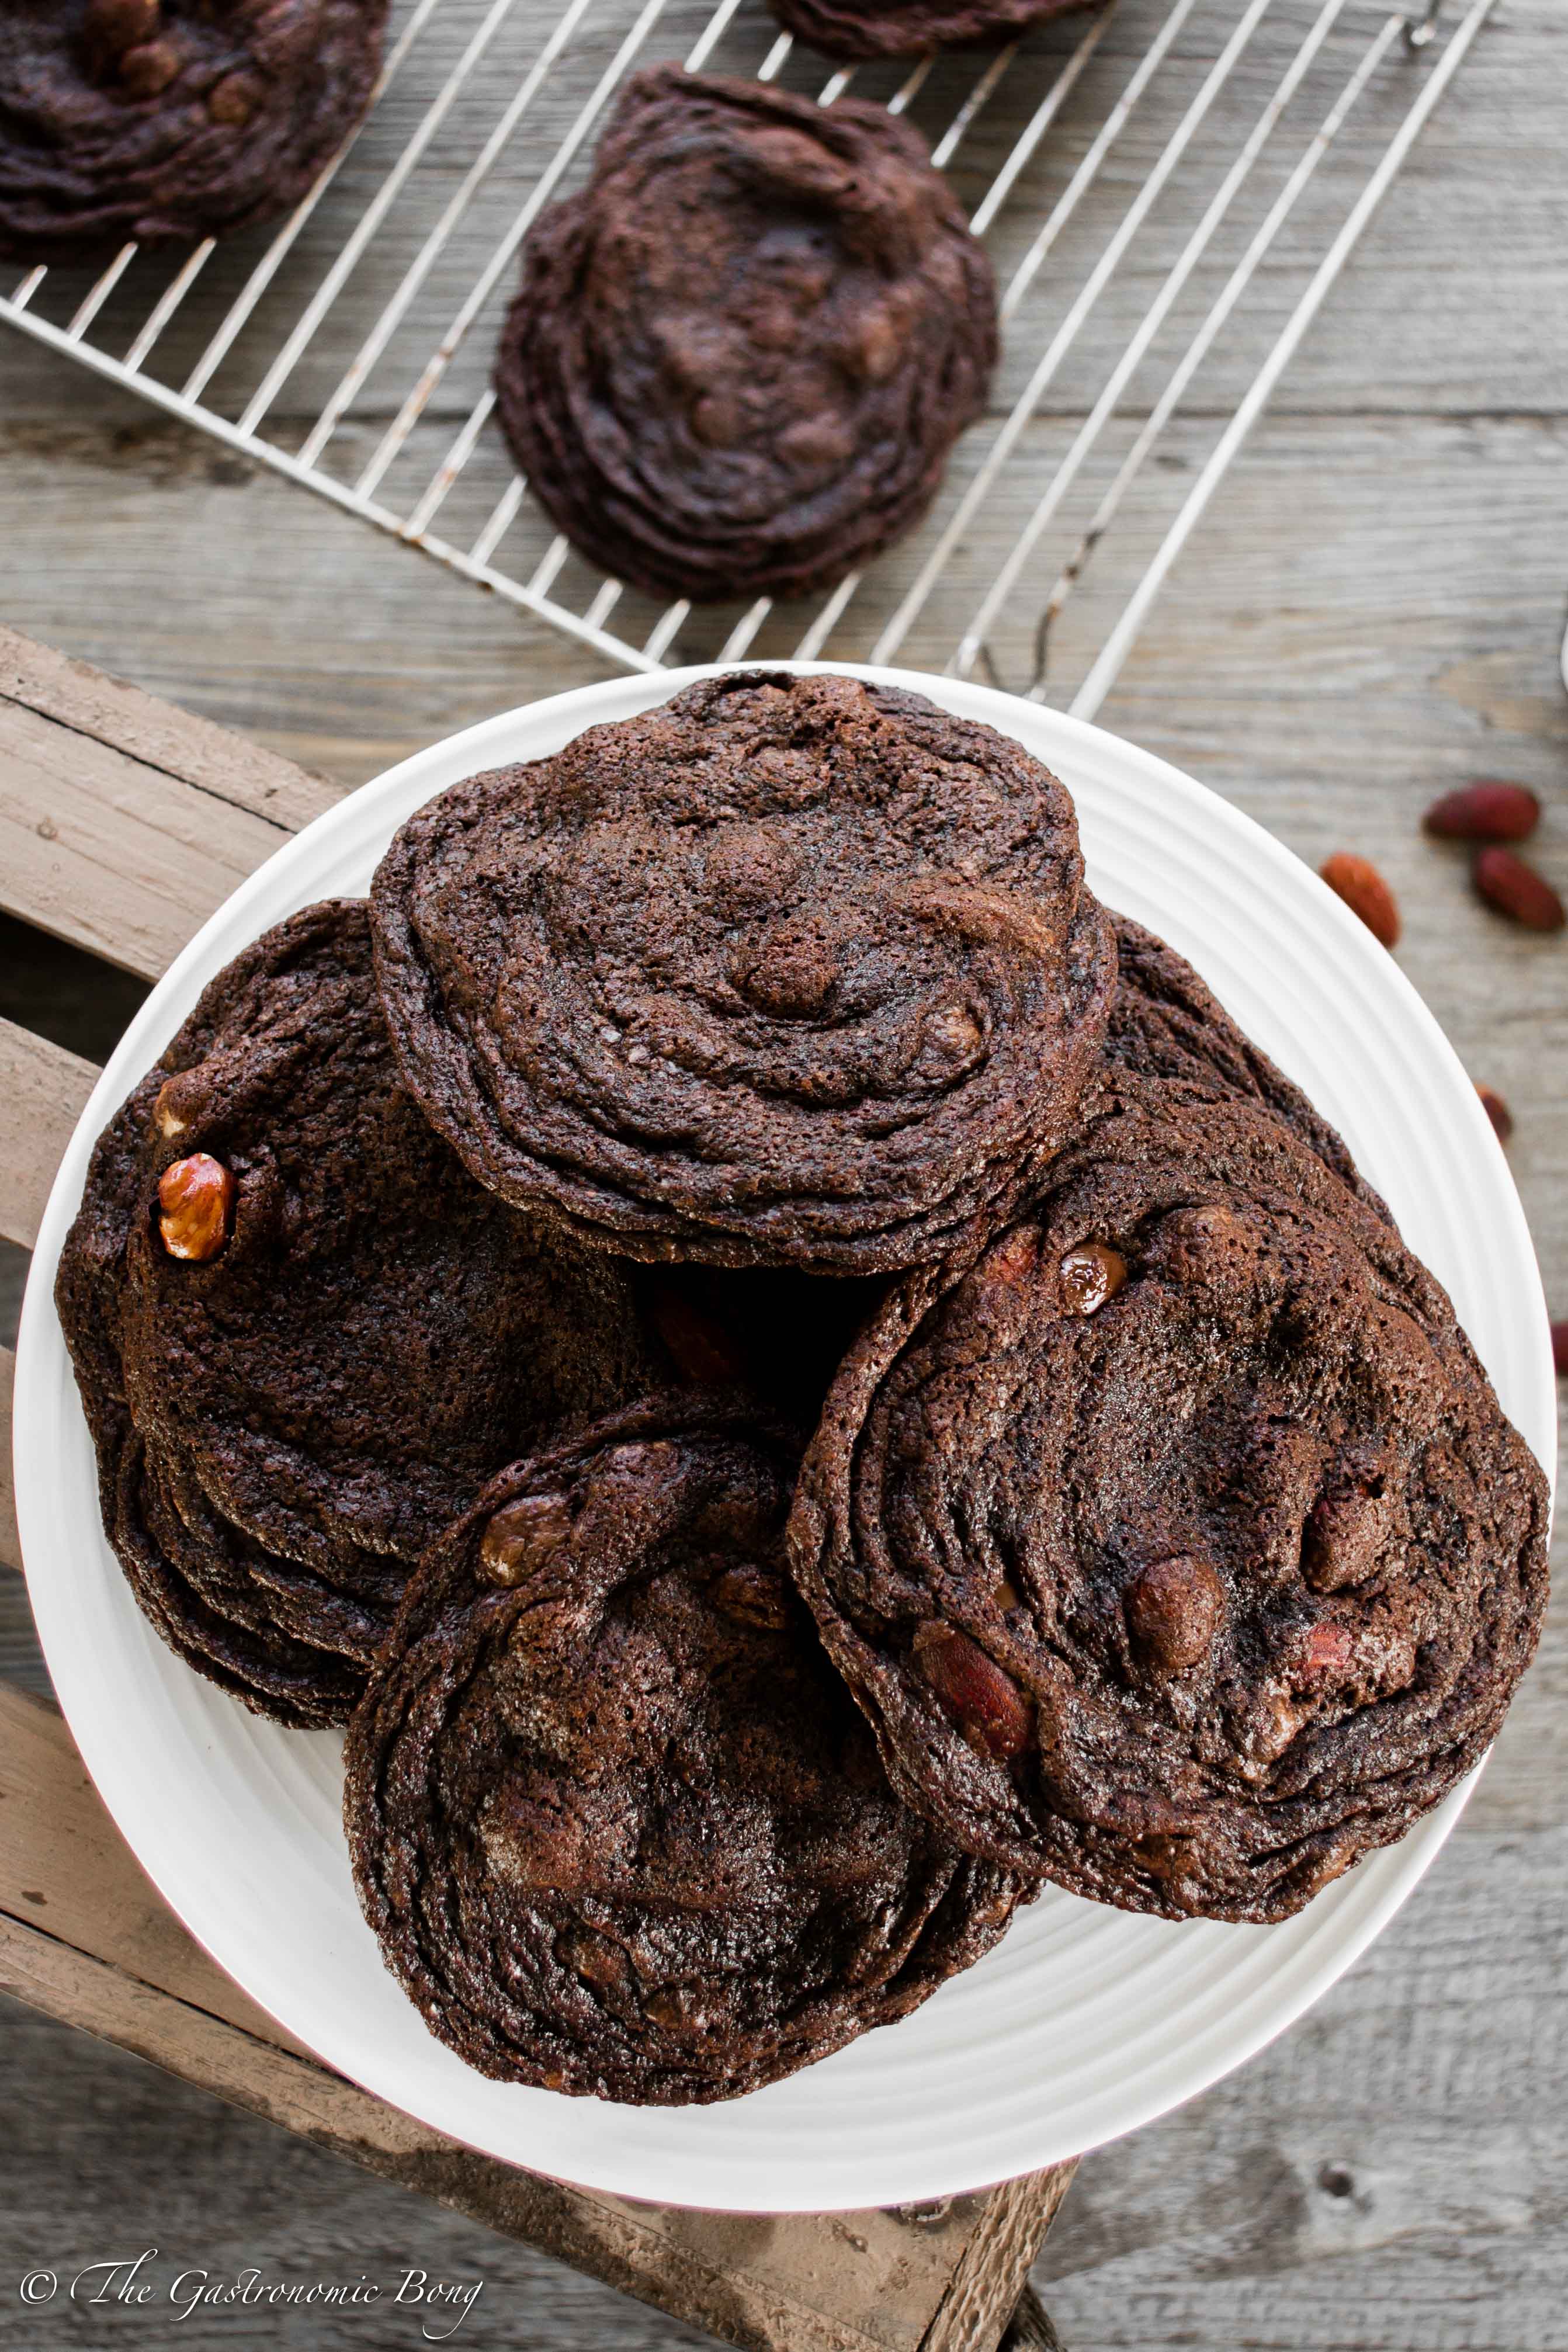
x=283, y=1422
x=170, y=121
x=913, y=28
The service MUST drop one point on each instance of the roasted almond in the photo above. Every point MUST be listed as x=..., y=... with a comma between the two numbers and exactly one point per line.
x=1498, y=1111
x=1486, y=810
x=1357, y=881
x=1517, y=890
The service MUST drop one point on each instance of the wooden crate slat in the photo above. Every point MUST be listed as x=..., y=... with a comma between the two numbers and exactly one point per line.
x=111, y=711
x=10, y=1541
x=113, y=855
x=84, y=1935
x=625, y=2245
x=65, y=1867
x=43, y=1088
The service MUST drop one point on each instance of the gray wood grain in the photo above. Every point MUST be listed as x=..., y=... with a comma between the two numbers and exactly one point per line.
x=1370, y=613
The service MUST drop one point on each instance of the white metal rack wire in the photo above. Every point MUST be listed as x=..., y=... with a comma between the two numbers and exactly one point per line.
x=1157, y=279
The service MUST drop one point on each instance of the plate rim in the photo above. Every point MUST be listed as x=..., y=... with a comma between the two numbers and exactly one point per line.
x=914, y=2174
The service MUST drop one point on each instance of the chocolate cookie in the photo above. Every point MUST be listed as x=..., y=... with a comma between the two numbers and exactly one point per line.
x=789, y=970
x=740, y=357
x=913, y=28
x=304, y=1337
x=170, y=121
x=1178, y=1548
x=1167, y=1024
x=617, y=1822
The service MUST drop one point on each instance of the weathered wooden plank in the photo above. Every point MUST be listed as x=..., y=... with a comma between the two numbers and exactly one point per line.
x=113, y=712
x=118, y=1961
x=43, y=1088
x=105, y=850
x=64, y=1866
x=10, y=1541
x=611, y=2244
x=993, y=2266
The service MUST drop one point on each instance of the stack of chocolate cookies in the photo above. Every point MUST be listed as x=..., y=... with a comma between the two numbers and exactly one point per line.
x=793, y=1381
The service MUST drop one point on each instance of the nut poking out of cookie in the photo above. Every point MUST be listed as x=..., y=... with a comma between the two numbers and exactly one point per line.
x=195, y=1201
x=1174, y=1610
x=521, y=1536
x=980, y=1696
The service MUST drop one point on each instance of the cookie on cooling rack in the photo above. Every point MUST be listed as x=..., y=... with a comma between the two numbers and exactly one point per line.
x=913, y=28
x=170, y=121
x=789, y=970
x=303, y=1336
x=617, y=1822
x=1178, y=1548
x=740, y=357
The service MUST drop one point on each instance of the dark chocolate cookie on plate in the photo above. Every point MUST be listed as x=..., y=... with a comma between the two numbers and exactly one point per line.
x=855, y=29
x=304, y=1337
x=1176, y=1545
x=740, y=357
x=170, y=121
x=617, y=1822
x=1167, y=1024
x=788, y=971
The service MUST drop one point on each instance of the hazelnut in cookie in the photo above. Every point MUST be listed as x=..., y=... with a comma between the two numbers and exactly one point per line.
x=303, y=1336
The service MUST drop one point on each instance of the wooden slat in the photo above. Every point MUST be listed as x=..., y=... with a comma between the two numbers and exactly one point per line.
x=10, y=1542
x=65, y=1867
x=84, y=1936
x=111, y=853
x=112, y=712
x=43, y=1088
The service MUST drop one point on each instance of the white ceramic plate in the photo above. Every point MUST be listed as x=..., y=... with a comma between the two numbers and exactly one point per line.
x=1085, y=2021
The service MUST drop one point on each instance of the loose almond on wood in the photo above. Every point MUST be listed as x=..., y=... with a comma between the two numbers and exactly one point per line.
x=1357, y=881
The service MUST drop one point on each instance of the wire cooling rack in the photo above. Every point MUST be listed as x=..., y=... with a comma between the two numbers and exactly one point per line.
x=1160, y=256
